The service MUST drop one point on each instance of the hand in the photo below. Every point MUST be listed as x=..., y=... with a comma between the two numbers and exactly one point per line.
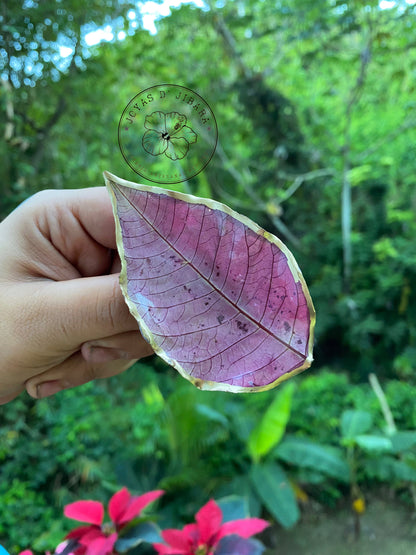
x=63, y=319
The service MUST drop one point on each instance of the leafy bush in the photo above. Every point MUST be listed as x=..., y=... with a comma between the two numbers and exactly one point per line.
x=148, y=430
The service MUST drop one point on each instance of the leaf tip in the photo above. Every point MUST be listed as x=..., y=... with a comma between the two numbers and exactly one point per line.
x=110, y=179
x=107, y=175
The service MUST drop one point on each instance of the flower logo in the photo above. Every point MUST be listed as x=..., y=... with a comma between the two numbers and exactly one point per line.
x=168, y=134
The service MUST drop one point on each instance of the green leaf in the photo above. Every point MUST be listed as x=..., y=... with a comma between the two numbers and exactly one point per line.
x=233, y=507
x=380, y=467
x=230, y=545
x=359, y=174
x=272, y=426
x=274, y=489
x=403, y=471
x=401, y=441
x=355, y=422
x=211, y=414
x=307, y=454
x=373, y=443
x=143, y=532
x=244, y=487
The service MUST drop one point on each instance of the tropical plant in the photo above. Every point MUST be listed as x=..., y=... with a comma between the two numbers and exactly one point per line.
x=212, y=534
x=274, y=457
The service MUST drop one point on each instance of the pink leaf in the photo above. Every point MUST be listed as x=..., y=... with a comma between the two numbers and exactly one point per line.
x=216, y=296
x=176, y=538
x=118, y=504
x=85, y=511
x=245, y=527
x=163, y=549
x=137, y=504
x=78, y=533
x=91, y=536
x=209, y=519
x=102, y=546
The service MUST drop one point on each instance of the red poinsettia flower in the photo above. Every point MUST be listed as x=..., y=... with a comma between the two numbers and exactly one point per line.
x=60, y=548
x=99, y=538
x=203, y=537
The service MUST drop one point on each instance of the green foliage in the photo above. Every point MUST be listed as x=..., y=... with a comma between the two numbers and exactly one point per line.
x=403, y=441
x=136, y=534
x=56, y=448
x=188, y=444
x=369, y=452
x=275, y=491
x=23, y=505
x=233, y=507
x=271, y=428
x=331, y=111
x=354, y=423
x=307, y=454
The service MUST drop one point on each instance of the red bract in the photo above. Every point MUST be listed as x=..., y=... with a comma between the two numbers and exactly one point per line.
x=99, y=538
x=203, y=537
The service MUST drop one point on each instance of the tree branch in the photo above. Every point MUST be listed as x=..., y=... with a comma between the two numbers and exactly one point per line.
x=346, y=224
x=246, y=181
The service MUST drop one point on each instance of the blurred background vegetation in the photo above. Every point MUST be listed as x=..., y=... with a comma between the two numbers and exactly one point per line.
x=315, y=103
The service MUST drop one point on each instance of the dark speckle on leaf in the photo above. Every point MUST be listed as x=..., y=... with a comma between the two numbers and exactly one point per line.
x=242, y=326
x=286, y=325
x=220, y=318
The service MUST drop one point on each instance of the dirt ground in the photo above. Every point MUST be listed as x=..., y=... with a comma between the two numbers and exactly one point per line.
x=388, y=527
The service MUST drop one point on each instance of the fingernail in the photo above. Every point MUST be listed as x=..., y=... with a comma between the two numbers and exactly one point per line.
x=47, y=389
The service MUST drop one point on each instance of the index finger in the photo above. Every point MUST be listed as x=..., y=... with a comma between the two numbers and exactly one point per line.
x=93, y=208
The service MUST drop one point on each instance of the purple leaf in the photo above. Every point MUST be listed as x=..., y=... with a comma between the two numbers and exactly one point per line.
x=217, y=297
